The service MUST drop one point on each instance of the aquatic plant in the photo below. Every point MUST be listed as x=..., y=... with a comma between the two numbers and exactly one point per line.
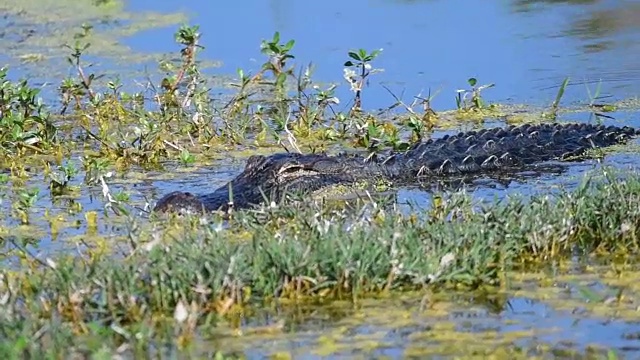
x=471, y=99
x=361, y=61
x=24, y=120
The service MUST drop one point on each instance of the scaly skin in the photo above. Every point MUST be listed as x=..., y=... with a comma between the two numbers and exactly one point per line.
x=474, y=152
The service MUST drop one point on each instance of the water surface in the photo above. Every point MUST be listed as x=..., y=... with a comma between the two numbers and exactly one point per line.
x=526, y=48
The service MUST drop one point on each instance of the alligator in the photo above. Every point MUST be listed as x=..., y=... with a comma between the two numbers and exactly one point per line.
x=483, y=152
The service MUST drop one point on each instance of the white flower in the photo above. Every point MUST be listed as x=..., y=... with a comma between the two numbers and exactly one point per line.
x=181, y=313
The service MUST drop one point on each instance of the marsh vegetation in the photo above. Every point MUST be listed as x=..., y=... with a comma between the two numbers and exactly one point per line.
x=87, y=271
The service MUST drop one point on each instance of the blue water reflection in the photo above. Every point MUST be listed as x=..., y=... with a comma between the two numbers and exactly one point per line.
x=525, y=47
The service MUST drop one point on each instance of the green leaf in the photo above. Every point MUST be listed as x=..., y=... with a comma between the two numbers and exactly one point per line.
x=281, y=79
x=348, y=63
x=289, y=45
x=472, y=81
x=560, y=93
x=354, y=56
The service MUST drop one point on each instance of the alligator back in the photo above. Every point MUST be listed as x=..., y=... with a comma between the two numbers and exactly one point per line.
x=502, y=148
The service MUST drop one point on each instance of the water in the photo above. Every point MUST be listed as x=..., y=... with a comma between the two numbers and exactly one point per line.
x=525, y=47
x=429, y=326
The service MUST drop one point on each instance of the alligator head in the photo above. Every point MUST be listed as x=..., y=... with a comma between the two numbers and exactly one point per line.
x=267, y=178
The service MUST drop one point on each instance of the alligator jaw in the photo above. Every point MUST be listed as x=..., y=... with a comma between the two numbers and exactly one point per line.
x=180, y=202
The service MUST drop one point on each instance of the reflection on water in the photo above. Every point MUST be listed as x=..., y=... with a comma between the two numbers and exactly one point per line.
x=425, y=325
x=526, y=47
x=607, y=27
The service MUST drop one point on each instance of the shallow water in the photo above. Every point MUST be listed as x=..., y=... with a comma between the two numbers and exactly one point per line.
x=526, y=48
x=531, y=318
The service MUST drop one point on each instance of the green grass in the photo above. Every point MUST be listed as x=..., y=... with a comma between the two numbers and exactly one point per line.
x=178, y=278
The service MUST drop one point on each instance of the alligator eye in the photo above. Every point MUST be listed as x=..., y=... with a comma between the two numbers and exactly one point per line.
x=290, y=169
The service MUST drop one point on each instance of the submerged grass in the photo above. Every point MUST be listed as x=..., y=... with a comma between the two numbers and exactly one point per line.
x=176, y=280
